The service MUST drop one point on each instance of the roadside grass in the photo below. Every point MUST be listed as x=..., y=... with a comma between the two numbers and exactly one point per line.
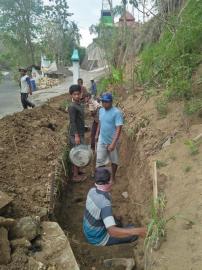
x=193, y=147
x=156, y=229
x=187, y=169
x=160, y=164
x=172, y=60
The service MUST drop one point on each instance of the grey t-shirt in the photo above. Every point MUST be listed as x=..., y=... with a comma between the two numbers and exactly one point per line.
x=98, y=217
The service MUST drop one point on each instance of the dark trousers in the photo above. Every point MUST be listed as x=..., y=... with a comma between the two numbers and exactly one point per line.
x=116, y=241
x=93, y=133
x=25, y=102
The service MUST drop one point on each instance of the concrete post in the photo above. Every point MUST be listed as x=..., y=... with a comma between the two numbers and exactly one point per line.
x=76, y=66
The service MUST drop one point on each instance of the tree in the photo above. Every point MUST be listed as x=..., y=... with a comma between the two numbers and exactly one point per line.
x=63, y=36
x=19, y=22
x=29, y=28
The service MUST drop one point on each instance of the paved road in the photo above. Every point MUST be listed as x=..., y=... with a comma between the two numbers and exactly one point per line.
x=10, y=93
x=9, y=98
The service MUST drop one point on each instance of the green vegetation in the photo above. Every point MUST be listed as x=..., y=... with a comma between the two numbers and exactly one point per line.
x=192, y=106
x=131, y=132
x=156, y=230
x=162, y=106
x=192, y=146
x=156, y=227
x=160, y=164
x=64, y=105
x=66, y=161
x=172, y=60
x=187, y=168
x=114, y=78
x=31, y=28
x=150, y=92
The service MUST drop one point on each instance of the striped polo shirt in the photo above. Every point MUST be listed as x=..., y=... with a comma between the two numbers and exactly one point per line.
x=98, y=217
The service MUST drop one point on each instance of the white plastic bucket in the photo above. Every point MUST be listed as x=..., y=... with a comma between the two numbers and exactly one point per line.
x=81, y=155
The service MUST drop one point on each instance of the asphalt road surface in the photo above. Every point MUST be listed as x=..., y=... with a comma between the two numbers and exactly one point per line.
x=10, y=92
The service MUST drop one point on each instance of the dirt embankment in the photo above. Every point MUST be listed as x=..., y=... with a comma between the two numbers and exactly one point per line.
x=30, y=143
x=168, y=140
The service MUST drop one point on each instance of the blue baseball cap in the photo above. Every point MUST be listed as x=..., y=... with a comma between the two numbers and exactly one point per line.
x=106, y=97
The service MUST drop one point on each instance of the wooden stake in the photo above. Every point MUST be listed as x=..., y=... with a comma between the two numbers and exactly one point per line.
x=16, y=149
x=197, y=138
x=155, y=183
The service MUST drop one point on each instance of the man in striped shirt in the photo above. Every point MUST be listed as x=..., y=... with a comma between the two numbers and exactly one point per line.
x=99, y=224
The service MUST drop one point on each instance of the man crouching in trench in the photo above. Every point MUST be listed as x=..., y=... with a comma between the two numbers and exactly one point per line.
x=99, y=225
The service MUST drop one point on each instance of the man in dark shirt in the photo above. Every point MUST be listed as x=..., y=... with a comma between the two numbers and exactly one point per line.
x=83, y=90
x=77, y=125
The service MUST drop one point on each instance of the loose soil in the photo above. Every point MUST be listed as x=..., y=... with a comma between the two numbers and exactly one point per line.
x=30, y=143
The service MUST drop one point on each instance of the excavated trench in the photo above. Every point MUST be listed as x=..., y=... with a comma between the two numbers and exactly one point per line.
x=67, y=200
x=133, y=178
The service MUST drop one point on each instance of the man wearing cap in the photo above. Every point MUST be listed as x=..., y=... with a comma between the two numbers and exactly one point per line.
x=108, y=133
x=99, y=225
x=25, y=89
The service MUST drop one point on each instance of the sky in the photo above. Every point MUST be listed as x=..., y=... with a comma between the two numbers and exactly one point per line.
x=86, y=13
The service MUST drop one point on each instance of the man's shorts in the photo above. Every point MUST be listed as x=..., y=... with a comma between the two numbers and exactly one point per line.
x=104, y=156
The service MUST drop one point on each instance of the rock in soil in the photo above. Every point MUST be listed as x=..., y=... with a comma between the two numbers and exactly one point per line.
x=22, y=242
x=4, y=199
x=7, y=222
x=129, y=264
x=27, y=227
x=5, y=251
x=56, y=249
x=125, y=194
x=19, y=260
x=35, y=265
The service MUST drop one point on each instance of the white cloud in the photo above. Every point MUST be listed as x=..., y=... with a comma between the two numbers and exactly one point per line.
x=86, y=13
x=86, y=37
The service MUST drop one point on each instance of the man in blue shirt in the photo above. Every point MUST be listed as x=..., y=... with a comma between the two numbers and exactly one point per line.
x=108, y=133
x=99, y=225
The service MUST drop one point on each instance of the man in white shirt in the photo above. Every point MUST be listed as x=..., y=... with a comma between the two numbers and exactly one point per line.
x=25, y=89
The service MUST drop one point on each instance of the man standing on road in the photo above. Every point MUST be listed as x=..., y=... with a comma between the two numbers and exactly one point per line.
x=25, y=89
x=108, y=133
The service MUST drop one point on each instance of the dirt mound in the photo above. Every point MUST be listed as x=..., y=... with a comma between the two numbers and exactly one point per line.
x=168, y=140
x=29, y=146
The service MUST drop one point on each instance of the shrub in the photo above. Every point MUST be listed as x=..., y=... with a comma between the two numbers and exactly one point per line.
x=193, y=147
x=172, y=60
x=193, y=106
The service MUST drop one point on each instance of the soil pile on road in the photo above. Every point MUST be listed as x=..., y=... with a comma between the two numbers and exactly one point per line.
x=30, y=143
